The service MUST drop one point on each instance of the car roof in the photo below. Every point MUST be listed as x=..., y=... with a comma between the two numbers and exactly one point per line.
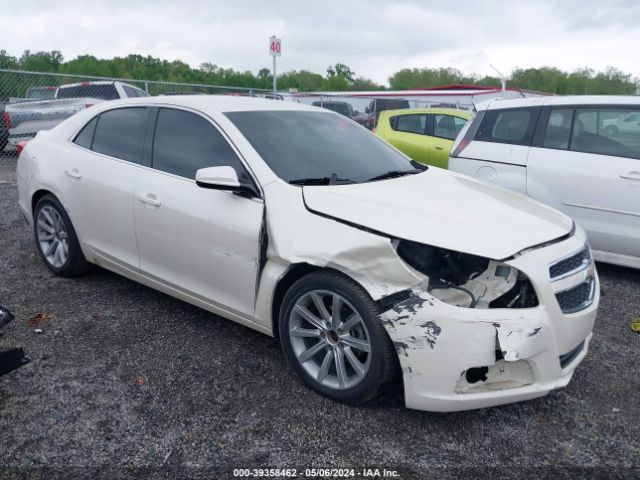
x=500, y=103
x=216, y=103
x=447, y=111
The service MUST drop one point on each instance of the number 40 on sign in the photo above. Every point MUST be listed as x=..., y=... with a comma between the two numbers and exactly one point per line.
x=275, y=46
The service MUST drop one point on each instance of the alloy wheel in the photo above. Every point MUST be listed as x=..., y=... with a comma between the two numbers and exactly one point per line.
x=52, y=236
x=330, y=339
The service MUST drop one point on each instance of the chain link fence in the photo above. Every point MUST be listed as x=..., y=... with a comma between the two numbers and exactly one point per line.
x=34, y=101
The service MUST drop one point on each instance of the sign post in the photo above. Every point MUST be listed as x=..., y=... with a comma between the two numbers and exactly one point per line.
x=275, y=50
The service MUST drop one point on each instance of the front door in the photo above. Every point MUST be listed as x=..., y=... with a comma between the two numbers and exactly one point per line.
x=200, y=241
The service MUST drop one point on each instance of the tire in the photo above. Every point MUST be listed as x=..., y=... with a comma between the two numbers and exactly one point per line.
x=56, y=239
x=611, y=131
x=315, y=348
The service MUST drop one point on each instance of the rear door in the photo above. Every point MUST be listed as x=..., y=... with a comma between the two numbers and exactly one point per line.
x=98, y=174
x=500, y=146
x=443, y=130
x=199, y=241
x=591, y=171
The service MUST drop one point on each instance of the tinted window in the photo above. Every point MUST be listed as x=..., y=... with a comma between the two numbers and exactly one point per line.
x=558, y=128
x=91, y=90
x=185, y=142
x=381, y=104
x=410, y=123
x=513, y=126
x=118, y=133
x=338, y=107
x=299, y=145
x=85, y=137
x=447, y=126
x=132, y=92
x=606, y=131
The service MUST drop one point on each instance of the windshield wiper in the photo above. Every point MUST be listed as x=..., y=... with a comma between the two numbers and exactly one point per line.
x=332, y=180
x=395, y=174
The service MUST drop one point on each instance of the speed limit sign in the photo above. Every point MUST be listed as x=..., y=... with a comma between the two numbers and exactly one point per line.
x=275, y=46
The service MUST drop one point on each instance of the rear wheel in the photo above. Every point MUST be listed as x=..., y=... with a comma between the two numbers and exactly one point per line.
x=332, y=337
x=56, y=239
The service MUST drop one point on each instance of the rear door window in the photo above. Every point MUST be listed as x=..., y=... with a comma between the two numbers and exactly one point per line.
x=119, y=133
x=447, y=126
x=607, y=131
x=185, y=142
x=410, y=123
x=512, y=126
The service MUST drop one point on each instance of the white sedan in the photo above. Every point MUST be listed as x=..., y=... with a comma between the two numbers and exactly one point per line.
x=299, y=223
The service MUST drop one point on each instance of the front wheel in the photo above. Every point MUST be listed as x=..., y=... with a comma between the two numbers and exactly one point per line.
x=332, y=337
x=56, y=239
x=611, y=131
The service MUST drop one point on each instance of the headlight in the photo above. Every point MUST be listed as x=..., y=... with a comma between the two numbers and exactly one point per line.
x=467, y=280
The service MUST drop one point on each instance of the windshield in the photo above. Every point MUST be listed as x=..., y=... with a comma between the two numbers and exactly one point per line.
x=303, y=145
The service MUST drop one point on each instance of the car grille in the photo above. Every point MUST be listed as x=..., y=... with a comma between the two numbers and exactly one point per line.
x=570, y=265
x=577, y=298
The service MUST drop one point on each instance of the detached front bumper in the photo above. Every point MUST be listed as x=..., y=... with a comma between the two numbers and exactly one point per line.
x=456, y=358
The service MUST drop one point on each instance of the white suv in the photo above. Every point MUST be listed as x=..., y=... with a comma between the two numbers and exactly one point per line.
x=580, y=155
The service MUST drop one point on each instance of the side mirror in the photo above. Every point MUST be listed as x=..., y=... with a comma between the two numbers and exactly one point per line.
x=223, y=178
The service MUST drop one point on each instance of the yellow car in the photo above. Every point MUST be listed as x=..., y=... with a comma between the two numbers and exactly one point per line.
x=424, y=134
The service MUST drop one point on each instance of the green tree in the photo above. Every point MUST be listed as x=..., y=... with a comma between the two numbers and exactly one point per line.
x=410, y=78
x=41, y=61
x=8, y=61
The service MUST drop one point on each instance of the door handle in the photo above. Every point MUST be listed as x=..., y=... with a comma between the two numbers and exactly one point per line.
x=631, y=176
x=439, y=148
x=150, y=199
x=73, y=173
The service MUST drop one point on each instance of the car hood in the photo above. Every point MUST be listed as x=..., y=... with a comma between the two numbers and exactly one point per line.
x=443, y=209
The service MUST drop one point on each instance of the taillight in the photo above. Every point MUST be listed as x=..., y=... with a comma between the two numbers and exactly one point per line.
x=7, y=119
x=469, y=134
x=20, y=148
x=87, y=105
x=461, y=146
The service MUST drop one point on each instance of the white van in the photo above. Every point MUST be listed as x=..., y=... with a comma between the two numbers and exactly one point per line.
x=579, y=154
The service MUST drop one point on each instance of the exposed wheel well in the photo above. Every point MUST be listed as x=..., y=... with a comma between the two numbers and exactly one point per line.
x=37, y=196
x=295, y=273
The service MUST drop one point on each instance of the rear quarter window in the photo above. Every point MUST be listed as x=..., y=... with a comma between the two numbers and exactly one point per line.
x=512, y=126
x=85, y=137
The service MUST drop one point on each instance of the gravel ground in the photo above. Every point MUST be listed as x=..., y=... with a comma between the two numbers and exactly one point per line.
x=126, y=381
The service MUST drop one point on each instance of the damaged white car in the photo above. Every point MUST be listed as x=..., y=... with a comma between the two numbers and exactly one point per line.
x=301, y=224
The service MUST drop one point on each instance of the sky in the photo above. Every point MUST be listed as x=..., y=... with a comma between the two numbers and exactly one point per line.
x=374, y=38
